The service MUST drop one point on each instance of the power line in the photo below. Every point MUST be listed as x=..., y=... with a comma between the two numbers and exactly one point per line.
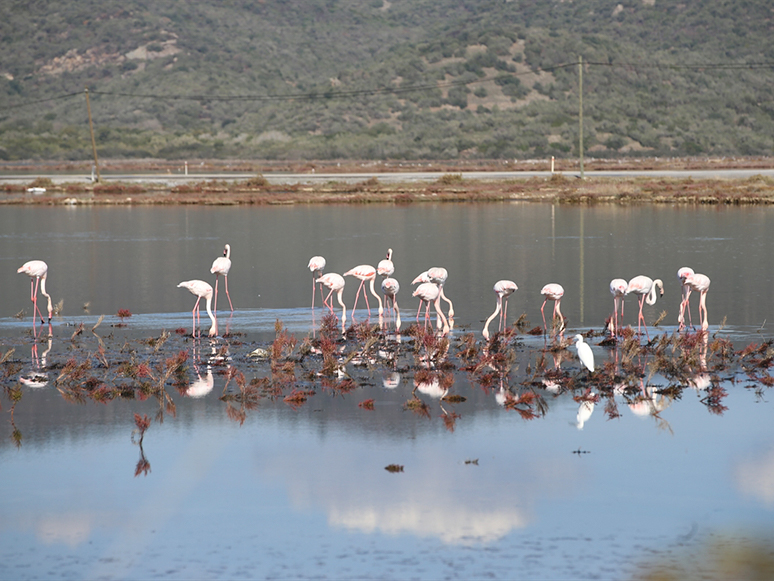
x=347, y=94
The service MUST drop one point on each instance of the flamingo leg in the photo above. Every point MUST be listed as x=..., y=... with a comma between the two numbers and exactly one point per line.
x=504, y=315
x=357, y=296
x=329, y=303
x=225, y=280
x=194, y=312
x=215, y=302
x=545, y=327
x=35, y=307
x=314, y=287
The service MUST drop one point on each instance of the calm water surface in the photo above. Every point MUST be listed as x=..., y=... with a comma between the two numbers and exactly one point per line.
x=302, y=491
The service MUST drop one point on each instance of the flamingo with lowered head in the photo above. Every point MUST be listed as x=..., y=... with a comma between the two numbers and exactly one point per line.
x=553, y=292
x=316, y=266
x=699, y=283
x=202, y=290
x=365, y=272
x=685, y=289
x=335, y=283
x=618, y=290
x=646, y=288
x=37, y=270
x=222, y=265
x=429, y=292
x=390, y=288
x=504, y=289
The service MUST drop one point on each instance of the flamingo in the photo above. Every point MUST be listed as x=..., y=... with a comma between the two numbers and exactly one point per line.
x=437, y=275
x=390, y=288
x=38, y=270
x=221, y=265
x=618, y=290
x=684, y=272
x=316, y=266
x=334, y=282
x=385, y=267
x=585, y=354
x=429, y=292
x=646, y=288
x=365, y=272
x=699, y=283
x=504, y=289
x=202, y=290
x=553, y=292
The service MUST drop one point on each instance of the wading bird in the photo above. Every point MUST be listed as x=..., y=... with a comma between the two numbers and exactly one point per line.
x=316, y=266
x=429, y=292
x=390, y=288
x=221, y=265
x=646, y=288
x=553, y=292
x=365, y=272
x=699, y=283
x=682, y=274
x=585, y=354
x=385, y=267
x=37, y=270
x=618, y=290
x=202, y=290
x=504, y=289
x=334, y=282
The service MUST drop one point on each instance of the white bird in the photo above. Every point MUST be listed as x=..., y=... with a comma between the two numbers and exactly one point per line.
x=585, y=354
x=316, y=266
x=646, y=288
x=618, y=290
x=334, y=282
x=37, y=270
x=222, y=265
x=504, y=289
x=201, y=289
x=386, y=267
x=685, y=289
x=390, y=288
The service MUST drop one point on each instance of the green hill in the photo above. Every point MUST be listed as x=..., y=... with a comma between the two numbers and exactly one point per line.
x=398, y=79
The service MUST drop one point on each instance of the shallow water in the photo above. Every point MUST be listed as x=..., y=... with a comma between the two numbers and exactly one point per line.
x=298, y=491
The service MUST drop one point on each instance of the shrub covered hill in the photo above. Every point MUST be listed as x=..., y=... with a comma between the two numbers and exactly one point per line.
x=385, y=79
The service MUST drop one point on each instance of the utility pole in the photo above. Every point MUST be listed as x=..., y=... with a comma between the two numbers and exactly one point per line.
x=93, y=141
x=580, y=112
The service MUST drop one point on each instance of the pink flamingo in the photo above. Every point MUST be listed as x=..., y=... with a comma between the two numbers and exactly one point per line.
x=618, y=290
x=429, y=292
x=699, y=283
x=365, y=272
x=682, y=274
x=202, y=290
x=504, y=289
x=316, y=266
x=553, y=292
x=437, y=275
x=222, y=265
x=334, y=282
x=390, y=288
x=38, y=270
x=646, y=288
x=386, y=267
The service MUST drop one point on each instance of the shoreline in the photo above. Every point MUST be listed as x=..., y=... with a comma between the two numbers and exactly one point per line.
x=447, y=187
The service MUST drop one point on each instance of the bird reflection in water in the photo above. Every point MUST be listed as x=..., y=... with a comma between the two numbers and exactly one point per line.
x=37, y=376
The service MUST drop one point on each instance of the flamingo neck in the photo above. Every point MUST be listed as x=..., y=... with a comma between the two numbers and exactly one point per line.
x=343, y=306
x=48, y=296
x=373, y=292
x=214, y=327
x=492, y=316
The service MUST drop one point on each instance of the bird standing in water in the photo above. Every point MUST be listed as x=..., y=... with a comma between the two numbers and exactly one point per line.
x=37, y=270
x=202, y=290
x=316, y=266
x=222, y=265
x=699, y=283
x=504, y=289
x=585, y=354
x=365, y=272
x=553, y=292
x=646, y=288
x=618, y=290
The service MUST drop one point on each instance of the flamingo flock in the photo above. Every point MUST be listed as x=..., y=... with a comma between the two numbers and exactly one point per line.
x=430, y=291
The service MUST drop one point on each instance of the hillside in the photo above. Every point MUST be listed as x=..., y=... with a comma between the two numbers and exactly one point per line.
x=385, y=79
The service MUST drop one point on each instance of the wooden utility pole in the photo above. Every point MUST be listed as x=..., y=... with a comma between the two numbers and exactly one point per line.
x=93, y=141
x=580, y=112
